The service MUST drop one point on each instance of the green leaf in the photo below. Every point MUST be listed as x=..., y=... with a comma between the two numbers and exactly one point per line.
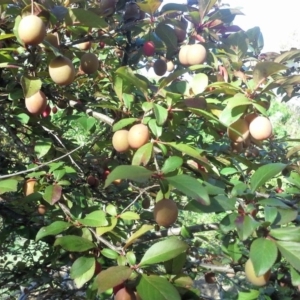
x=74, y=243
x=245, y=226
x=263, y=254
x=204, y=7
x=295, y=277
x=171, y=164
x=285, y=216
x=168, y=36
x=109, y=253
x=249, y=295
x=291, y=252
x=163, y=251
x=135, y=173
x=112, y=222
x=94, y=219
x=52, y=193
x=217, y=204
x=23, y=118
x=143, y=155
x=149, y=6
x=199, y=83
x=82, y=270
x=155, y=128
x=8, y=185
x=129, y=215
x=176, y=264
x=87, y=123
x=265, y=173
x=291, y=234
x=112, y=277
x=234, y=251
x=59, y=174
x=111, y=210
x=130, y=256
x=41, y=148
x=227, y=224
x=127, y=75
x=152, y=287
x=141, y=231
x=161, y=114
x=123, y=123
x=30, y=85
x=190, y=187
x=52, y=229
x=262, y=70
x=83, y=17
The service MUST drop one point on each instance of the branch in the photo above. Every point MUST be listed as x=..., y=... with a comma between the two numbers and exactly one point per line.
x=101, y=117
x=41, y=165
x=177, y=231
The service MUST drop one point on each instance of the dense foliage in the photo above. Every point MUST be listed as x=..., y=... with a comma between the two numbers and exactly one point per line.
x=108, y=169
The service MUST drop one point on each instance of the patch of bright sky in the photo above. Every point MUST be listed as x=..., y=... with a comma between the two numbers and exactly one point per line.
x=276, y=19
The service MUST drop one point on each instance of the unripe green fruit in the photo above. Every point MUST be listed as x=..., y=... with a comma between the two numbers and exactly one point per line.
x=160, y=67
x=241, y=126
x=61, y=70
x=120, y=140
x=138, y=136
x=89, y=63
x=32, y=30
x=37, y=103
x=165, y=212
x=256, y=280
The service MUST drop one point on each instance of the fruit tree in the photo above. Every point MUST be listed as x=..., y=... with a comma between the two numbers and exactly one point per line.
x=138, y=153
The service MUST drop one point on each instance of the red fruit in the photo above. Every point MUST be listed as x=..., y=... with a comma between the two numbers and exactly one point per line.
x=54, y=109
x=46, y=112
x=279, y=190
x=149, y=48
x=101, y=45
x=98, y=268
x=118, y=287
x=105, y=174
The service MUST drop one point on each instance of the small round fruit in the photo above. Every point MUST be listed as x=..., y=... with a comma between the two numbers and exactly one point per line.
x=210, y=277
x=85, y=45
x=165, y=212
x=241, y=126
x=196, y=54
x=32, y=30
x=120, y=140
x=125, y=294
x=260, y=128
x=61, y=70
x=101, y=45
x=160, y=67
x=146, y=203
x=41, y=209
x=89, y=63
x=37, y=103
x=28, y=187
x=46, y=112
x=91, y=180
x=256, y=280
x=149, y=48
x=170, y=66
x=183, y=59
x=138, y=136
x=54, y=110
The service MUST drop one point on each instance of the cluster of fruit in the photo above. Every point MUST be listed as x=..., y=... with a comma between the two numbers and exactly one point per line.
x=32, y=31
x=252, y=127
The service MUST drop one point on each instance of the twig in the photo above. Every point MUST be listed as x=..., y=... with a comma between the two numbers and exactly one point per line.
x=62, y=144
x=177, y=231
x=142, y=191
x=100, y=239
x=106, y=119
x=41, y=165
